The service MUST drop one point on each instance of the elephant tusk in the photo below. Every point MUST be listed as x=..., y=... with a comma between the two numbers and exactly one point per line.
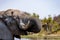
x=26, y=26
x=23, y=26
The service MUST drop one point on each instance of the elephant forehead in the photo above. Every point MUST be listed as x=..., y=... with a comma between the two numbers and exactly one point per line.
x=15, y=12
x=12, y=10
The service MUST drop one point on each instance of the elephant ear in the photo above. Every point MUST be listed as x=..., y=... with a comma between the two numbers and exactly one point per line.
x=35, y=25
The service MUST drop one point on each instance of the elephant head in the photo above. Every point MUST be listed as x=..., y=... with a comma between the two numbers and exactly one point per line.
x=22, y=24
x=30, y=24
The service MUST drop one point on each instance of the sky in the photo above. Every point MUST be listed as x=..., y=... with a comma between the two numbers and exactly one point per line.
x=41, y=7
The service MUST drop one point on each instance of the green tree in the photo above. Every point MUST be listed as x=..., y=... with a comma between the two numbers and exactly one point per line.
x=49, y=19
x=35, y=15
x=44, y=20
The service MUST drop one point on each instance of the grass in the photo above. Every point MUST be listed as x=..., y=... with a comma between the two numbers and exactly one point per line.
x=32, y=36
x=43, y=35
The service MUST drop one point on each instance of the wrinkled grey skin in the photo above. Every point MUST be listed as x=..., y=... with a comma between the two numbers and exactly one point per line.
x=5, y=33
x=10, y=30
x=32, y=27
x=22, y=15
x=33, y=24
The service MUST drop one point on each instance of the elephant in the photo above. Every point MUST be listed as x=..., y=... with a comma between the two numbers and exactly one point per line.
x=22, y=15
x=14, y=31
x=9, y=31
x=18, y=25
x=30, y=25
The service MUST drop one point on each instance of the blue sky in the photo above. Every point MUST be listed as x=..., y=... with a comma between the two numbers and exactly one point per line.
x=41, y=7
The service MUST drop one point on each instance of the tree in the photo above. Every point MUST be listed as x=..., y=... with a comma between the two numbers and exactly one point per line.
x=49, y=19
x=44, y=20
x=57, y=19
x=35, y=15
